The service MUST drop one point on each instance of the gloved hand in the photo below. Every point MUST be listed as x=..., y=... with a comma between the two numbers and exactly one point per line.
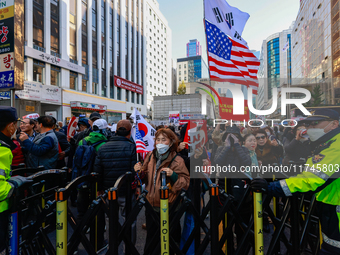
x=18, y=181
x=259, y=185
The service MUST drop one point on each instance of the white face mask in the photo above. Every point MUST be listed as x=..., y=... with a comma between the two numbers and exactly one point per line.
x=12, y=135
x=162, y=148
x=315, y=133
x=268, y=134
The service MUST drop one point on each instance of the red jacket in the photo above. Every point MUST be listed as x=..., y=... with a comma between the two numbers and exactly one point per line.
x=18, y=156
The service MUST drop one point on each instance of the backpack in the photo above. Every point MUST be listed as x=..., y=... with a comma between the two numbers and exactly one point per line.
x=83, y=160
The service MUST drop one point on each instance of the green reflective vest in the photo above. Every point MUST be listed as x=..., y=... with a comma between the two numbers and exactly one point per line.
x=321, y=175
x=6, y=157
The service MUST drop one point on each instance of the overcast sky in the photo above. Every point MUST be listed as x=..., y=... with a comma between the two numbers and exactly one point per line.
x=185, y=18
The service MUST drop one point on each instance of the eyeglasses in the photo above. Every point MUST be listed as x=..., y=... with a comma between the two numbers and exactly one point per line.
x=260, y=137
x=314, y=123
x=23, y=123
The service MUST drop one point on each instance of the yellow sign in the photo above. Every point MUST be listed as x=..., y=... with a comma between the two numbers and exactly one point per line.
x=7, y=12
x=30, y=108
x=165, y=249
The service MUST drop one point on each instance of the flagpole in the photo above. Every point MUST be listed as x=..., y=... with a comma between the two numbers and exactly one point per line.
x=206, y=42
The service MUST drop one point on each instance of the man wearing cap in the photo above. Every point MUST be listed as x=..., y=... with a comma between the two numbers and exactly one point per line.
x=8, y=128
x=98, y=137
x=43, y=150
x=321, y=176
x=114, y=159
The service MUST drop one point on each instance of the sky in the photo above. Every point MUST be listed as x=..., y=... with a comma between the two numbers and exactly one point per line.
x=185, y=19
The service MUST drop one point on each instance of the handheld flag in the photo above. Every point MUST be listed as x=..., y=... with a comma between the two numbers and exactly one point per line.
x=146, y=131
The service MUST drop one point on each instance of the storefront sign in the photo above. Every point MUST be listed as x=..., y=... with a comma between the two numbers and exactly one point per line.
x=88, y=106
x=39, y=92
x=191, y=116
x=7, y=79
x=128, y=85
x=6, y=62
x=30, y=108
x=47, y=58
x=11, y=23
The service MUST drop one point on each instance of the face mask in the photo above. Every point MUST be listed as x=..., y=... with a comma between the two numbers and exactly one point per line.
x=315, y=133
x=12, y=135
x=162, y=148
x=268, y=134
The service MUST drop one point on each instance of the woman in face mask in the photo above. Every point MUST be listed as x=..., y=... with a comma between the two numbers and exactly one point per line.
x=163, y=158
x=299, y=147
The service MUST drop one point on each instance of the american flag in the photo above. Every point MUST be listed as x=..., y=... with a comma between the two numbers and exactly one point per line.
x=140, y=145
x=230, y=60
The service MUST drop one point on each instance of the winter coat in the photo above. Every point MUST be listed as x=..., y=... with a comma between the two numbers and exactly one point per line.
x=18, y=156
x=114, y=159
x=43, y=151
x=177, y=165
x=296, y=150
x=238, y=157
x=269, y=154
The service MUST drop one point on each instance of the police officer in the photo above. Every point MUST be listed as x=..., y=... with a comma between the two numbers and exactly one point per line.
x=8, y=128
x=321, y=175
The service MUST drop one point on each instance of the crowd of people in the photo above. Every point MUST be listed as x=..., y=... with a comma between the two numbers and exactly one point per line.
x=95, y=148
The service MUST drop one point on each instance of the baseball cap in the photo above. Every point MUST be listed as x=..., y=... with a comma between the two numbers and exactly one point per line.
x=101, y=124
x=323, y=114
x=95, y=115
x=8, y=114
x=233, y=130
x=84, y=121
x=124, y=124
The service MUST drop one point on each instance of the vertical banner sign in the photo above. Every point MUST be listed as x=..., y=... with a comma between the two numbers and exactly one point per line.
x=61, y=228
x=11, y=44
x=258, y=223
x=165, y=226
x=72, y=126
x=13, y=234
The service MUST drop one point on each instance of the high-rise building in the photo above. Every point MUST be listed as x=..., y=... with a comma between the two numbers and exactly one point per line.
x=275, y=64
x=194, y=48
x=191, y=69
x=314, y=35
x=159, y=52
x=94, y=51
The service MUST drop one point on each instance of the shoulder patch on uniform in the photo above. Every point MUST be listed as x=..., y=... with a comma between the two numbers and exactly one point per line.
x=317, y=158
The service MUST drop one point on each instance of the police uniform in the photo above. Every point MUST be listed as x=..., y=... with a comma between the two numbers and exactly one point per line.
x=7, y=114
x=321, y=176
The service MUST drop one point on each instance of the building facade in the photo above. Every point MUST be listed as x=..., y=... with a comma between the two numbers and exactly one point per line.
x=275, y=66
x=192, y=104
x=313, y=37
x=83, y=56
x=158, y=62
x=194, y=48
x=191, y=69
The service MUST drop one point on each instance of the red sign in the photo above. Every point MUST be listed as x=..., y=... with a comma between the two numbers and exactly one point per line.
x=128, y=85
x=72, y=125
x=226, y=110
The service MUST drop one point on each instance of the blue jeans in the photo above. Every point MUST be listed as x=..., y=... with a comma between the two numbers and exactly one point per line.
x=189, y=224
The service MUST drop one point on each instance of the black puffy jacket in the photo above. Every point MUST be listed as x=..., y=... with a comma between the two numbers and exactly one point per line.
x=238, y=157
x=114, y=159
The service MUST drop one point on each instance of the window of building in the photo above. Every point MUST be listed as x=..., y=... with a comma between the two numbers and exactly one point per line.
x=94, y=88
x=137, y=95
x=55, y=26
x=38, y=71
x=55, y=75
x=73, y=80
x=185, y=78
x=127, y=95
x=119, y=93
x=150, y=93
x=38, y=23
x=84, y=85
x=132, y=97
x=180, y=79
